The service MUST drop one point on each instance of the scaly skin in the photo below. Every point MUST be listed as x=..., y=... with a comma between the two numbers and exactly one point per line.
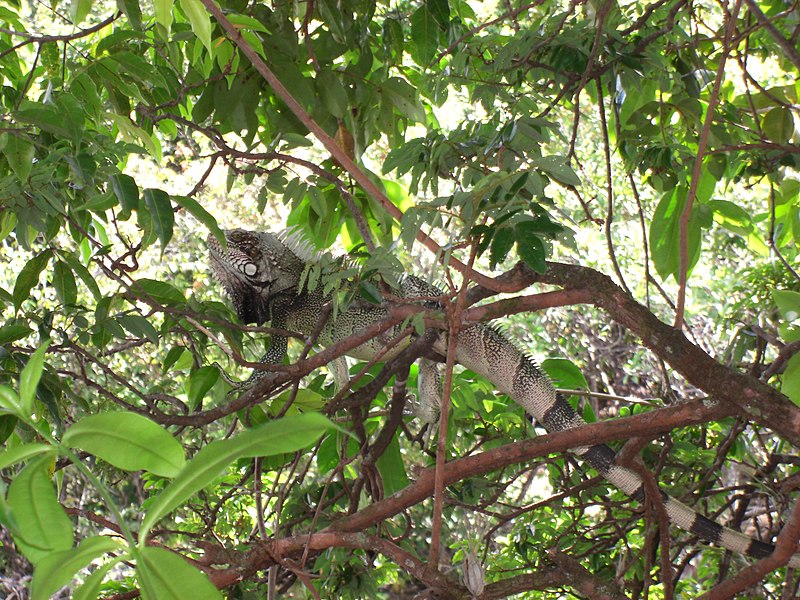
x=261, y=271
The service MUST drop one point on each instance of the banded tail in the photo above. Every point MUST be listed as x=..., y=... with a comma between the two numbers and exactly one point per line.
x=490, y=354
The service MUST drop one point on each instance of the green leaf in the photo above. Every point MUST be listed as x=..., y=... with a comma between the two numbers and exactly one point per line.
x=201, y=214
x=200, y=381
x=8, y=423
x=90, y=590
x=41, y=519
x=275, y=437
x=126, y=191
x=29, y=277
x=161, y=214
x=11, y=332
x=8, y=220
x=665, y=240
x=172, y=357
x=64, y=282
x=370, y=292
x=393, y=39
x=404, y=98
x=790, y=380
x=332, y=92
x=9, y=401
x=83, y=273
x=557, y=168
x=788, y=302
x=164, y=575
x=79, y=10
x=160, y=291
x=199, y=472
x=732, y=217
x=564, y=373
x=531, y=249
x=243, y=22
x=7, y=517
x=392, y=468
x=502, y=242
x=128, y=441
x=12, y=456
x=139, y=326
x=47, y=118
x=29, y=379
x=425, y=35
x=131, y=132
x=305, y=400
x=541, y=223
x=57, y=569
x=295, y=140
x=163, y=12
x=440, y=9
x=20, y=153
x=778, y=125
x=199, y=19
x=100, y=203
x=132, y=11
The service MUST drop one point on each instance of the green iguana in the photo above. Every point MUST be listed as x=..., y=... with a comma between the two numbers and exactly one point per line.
x=261, y=272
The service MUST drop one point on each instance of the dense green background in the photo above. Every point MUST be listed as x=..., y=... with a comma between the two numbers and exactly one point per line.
x=653, y=141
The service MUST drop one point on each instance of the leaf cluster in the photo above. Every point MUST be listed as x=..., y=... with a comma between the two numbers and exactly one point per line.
x=655, y=140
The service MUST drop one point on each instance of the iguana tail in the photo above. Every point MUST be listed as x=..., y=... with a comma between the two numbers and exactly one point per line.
x=490, y=354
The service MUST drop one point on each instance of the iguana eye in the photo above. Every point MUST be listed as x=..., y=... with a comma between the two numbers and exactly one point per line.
x=249, y=269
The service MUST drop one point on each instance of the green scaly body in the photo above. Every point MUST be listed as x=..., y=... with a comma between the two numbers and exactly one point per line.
x=261, y=273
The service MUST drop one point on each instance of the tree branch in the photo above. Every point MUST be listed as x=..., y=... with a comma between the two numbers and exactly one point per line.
x=644, y=425
x=762, y=403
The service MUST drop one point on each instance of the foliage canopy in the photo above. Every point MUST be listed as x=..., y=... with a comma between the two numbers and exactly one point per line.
x=655, y=141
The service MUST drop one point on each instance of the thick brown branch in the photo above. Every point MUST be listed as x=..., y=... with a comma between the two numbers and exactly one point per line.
x=644, y=425
x=274, y=552
x=519, y=304
x=648, y=424
x=761, y=403
x=583, y=581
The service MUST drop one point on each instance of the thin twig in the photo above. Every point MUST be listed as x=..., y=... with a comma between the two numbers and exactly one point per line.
x=609, y=185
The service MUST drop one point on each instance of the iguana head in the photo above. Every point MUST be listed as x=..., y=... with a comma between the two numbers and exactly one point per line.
x=255, y=268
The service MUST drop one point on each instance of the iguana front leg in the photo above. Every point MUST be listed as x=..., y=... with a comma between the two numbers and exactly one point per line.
x=274, y=355
x=276, y=352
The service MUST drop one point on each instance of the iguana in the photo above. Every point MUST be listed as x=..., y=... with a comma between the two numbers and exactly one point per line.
x=262, y=273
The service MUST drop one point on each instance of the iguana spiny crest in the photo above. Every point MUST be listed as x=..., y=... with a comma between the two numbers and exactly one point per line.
x=261, y=273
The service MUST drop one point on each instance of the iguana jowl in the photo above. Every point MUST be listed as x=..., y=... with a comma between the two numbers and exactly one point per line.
x=261, y=273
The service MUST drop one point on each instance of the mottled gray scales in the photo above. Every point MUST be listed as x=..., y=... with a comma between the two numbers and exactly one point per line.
x=601, y=457
x=261, y=273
